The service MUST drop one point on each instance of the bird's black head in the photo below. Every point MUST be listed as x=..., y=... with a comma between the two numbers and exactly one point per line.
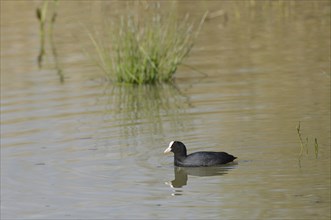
x=177, y=147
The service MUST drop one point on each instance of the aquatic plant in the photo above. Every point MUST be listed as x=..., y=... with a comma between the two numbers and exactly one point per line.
x=304, y=145
x=41, y=16
x=43, y=13
x=144, y=49
x=301, y=141
x=316, y=148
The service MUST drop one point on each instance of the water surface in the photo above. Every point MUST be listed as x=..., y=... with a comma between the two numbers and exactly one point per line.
x=85, y=149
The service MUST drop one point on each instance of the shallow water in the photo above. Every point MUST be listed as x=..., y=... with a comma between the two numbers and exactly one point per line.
x=84, y=149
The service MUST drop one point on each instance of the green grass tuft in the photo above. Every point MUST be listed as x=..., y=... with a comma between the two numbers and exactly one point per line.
x=304, y=146
x=144, y=49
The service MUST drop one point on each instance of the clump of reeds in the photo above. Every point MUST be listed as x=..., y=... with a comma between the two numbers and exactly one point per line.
x=304, y=145
x=144, y=49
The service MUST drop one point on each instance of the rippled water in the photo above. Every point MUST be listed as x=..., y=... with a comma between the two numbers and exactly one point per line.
x=84, y=149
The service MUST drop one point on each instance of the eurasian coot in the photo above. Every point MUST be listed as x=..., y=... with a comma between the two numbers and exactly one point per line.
x=197, y=159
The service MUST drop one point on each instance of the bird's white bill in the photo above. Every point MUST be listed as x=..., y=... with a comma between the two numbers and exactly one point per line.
x=169, y=147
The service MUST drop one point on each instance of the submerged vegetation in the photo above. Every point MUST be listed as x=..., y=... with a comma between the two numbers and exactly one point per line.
x=304, y=144
x=144, y=48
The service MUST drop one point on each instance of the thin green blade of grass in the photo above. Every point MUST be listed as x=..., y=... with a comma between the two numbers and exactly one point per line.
x=316, y=148
x=301, y=142
x=100, y=52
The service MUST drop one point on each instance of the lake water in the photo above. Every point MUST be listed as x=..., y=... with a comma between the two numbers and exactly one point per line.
x=83, y=148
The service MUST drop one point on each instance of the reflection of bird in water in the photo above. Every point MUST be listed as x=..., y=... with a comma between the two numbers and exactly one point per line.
x=181, y=174
x=197, y=159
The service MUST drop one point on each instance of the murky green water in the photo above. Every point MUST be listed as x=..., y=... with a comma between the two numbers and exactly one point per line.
x=83, y=149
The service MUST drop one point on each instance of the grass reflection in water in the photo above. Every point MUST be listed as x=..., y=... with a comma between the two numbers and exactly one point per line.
x=148, y=109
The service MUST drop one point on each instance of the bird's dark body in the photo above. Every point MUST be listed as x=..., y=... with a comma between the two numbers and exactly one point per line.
x=197, y=159
x=203, y=159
